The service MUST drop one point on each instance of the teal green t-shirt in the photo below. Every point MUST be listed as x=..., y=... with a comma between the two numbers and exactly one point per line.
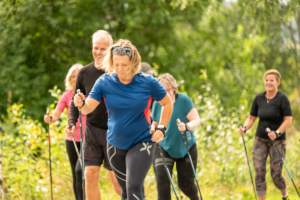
x=173, y=142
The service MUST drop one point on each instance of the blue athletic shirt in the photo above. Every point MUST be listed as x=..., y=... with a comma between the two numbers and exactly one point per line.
x=173, y=142
x=128, y=107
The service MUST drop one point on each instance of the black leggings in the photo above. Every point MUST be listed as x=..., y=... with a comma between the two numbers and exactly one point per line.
x=131, y=167
x=76, y=168
x=186, y=177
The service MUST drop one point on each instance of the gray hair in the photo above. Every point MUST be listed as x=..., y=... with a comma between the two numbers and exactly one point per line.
x=68, y=83
x=103, y=36
x=170, y=80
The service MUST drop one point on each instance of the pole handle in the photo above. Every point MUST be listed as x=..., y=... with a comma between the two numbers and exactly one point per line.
x=241, y=127
x=78, y=92
x=152, y=129
x=178, y=122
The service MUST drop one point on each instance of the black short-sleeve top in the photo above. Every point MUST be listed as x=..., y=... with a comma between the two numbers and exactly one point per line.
x=271, y=113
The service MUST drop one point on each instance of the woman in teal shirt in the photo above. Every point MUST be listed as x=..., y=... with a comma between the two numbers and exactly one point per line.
x=173, y=146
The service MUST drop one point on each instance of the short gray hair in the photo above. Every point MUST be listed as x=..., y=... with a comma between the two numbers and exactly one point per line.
x=170, y=80
x=103, y=36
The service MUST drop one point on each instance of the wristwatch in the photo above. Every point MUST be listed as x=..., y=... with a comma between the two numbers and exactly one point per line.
x=162, y=127
x=278, y=133
x=187, y=127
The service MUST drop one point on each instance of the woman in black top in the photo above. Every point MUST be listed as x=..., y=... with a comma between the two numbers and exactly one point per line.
x=274, y=111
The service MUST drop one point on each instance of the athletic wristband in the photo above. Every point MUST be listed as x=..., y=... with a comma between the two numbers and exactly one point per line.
x=161, y=129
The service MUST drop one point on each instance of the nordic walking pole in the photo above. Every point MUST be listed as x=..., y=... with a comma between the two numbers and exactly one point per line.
x=152, y=130
x=181, y=197
x=49, y=144
x=240, y=127
x=81, y=149
x=178, y=122
x=76, y=150
x=269, y=130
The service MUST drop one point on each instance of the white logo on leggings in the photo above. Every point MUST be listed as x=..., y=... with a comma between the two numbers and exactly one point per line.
x=146, y=147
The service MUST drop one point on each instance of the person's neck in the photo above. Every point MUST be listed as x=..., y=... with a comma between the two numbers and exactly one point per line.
x=173, y=97
x=271, y=94
x=125, y=81
x=99, y=66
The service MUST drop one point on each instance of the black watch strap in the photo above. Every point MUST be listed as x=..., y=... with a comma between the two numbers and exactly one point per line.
x=278, y=133
x=245, y=127
x=187, y=128
x=163, y=130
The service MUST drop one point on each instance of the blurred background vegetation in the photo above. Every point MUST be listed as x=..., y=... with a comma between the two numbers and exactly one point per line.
x=218, y=50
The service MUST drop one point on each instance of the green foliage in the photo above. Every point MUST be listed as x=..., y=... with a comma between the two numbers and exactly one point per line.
x=222, y=168
x=201, y=42
x=26, y=156
x=217, y=51
x=40, y=40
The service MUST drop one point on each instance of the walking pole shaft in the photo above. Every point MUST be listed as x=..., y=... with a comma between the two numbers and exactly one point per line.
x=167, y=170
x=188, y=152
x=75, y=146
x=81, y=149
x=49, y=145
x=269, y=130
x=249, y=168
x=165, y=164
x=286, y=168
x=240, y=127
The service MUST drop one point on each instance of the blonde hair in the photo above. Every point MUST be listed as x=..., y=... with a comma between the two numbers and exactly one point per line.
x=68, y=84
x=273, y=72
x=169, y=79
x=135, y=60
x=102, y=36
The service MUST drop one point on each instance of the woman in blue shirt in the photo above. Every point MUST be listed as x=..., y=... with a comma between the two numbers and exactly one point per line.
x=128, y=93
x=173, y=145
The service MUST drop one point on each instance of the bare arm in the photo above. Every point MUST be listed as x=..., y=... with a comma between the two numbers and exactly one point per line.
x=285, y=124
x=55, y=116
x=248, y=124
x=155, y=123
x=166, y=110
x=89, y=106
x=166, y=113
x=193, y=118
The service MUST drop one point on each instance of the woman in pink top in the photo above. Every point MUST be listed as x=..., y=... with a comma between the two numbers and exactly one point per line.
x=64, y=102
